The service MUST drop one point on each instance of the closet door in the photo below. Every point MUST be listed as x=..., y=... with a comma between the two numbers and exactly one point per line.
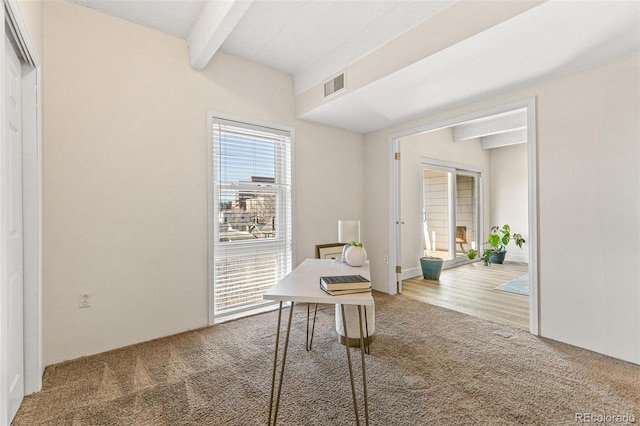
x=11, y=243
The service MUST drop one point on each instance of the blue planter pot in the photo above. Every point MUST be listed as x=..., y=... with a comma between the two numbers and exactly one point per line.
x=431, y=267
x=498, y=257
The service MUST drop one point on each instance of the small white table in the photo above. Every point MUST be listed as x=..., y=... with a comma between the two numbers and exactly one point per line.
x=303, y=285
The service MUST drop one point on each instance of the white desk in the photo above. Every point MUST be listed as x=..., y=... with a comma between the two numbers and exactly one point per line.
x=303, y=285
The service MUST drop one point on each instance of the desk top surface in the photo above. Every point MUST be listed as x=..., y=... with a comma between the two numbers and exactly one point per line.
x=303, y=284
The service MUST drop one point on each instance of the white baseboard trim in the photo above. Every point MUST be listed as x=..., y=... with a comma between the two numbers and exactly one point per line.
x=516, y=257
x=411, y=273
x=417, y=271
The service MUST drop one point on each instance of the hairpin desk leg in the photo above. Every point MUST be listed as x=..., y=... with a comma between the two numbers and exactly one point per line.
x=366, y=326
x=313, y=327
x=275, y=364
x=364, y=374
x=353, y=388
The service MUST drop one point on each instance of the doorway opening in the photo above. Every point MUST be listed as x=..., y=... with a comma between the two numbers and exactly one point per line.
x=458, y=240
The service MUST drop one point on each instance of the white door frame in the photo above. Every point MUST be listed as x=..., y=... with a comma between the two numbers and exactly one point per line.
x=395, y=218
x=32, y=194
x=395, y=215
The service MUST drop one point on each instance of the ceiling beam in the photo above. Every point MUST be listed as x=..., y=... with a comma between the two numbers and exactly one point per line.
x=498, y=140
x=216, y=21
x=516, y=120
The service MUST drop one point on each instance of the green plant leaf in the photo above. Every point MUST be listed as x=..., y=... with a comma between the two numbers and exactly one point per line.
x=486, y=256
x=519, y=240
x=472, y=253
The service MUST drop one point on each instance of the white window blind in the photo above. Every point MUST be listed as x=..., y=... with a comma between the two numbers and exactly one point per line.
x=251, y=213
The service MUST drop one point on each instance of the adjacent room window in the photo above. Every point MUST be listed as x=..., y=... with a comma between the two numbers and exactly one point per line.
x=250, y=213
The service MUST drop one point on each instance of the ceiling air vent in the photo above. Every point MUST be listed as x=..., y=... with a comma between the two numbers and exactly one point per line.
x=334, y=85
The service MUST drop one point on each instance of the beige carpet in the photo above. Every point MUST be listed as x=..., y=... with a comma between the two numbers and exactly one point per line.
x=428, y=366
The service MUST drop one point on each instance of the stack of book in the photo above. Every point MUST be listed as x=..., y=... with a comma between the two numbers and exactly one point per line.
x=345, y=284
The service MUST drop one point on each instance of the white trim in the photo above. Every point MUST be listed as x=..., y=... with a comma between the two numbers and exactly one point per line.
x=394, y=217
x=32, y=228
x=532, y=174
x=532, y=171
x=411, y=273
x=27, y=48
x=32, y=180
x=516, y=257
x=273, y=306
x=480, y=212
x=265, y=306
x=4, y=294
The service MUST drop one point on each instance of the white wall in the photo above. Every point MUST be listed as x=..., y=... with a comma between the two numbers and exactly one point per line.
x=437, y=145
x=588, y=186
x=509, y=195
x=125, y=171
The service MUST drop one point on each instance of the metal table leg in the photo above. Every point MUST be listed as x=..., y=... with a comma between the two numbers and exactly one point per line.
x=313, y=327
x=273, y=411
x=353, y=388
x=366, y=326
x=364, y=374
x=275, y=364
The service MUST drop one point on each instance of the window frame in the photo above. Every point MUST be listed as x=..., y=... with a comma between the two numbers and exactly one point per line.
x=213, y=198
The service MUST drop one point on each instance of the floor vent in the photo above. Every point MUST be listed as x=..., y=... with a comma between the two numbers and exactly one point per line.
x=334, y=85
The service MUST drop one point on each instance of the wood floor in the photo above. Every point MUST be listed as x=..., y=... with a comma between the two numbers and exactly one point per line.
x=470, y=289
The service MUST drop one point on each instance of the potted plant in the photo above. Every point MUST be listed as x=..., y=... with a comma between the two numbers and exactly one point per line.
x=431, y=267
x=497, y=240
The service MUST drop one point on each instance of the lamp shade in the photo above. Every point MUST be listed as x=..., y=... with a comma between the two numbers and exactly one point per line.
x=348, y=230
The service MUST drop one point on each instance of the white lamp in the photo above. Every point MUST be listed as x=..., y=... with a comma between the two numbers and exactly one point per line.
x=348, y=230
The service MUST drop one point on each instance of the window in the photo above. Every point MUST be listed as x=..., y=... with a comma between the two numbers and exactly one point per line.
x=250, y=213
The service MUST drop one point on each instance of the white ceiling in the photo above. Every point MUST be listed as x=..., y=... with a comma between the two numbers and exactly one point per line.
x=314, y=39
x=554, y=39
x=175, y=17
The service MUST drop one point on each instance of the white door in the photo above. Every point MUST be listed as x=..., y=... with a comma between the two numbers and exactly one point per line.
x=11, y=238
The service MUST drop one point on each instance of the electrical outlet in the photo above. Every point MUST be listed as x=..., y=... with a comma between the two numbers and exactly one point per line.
x=386, y=259
x=85, y=300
